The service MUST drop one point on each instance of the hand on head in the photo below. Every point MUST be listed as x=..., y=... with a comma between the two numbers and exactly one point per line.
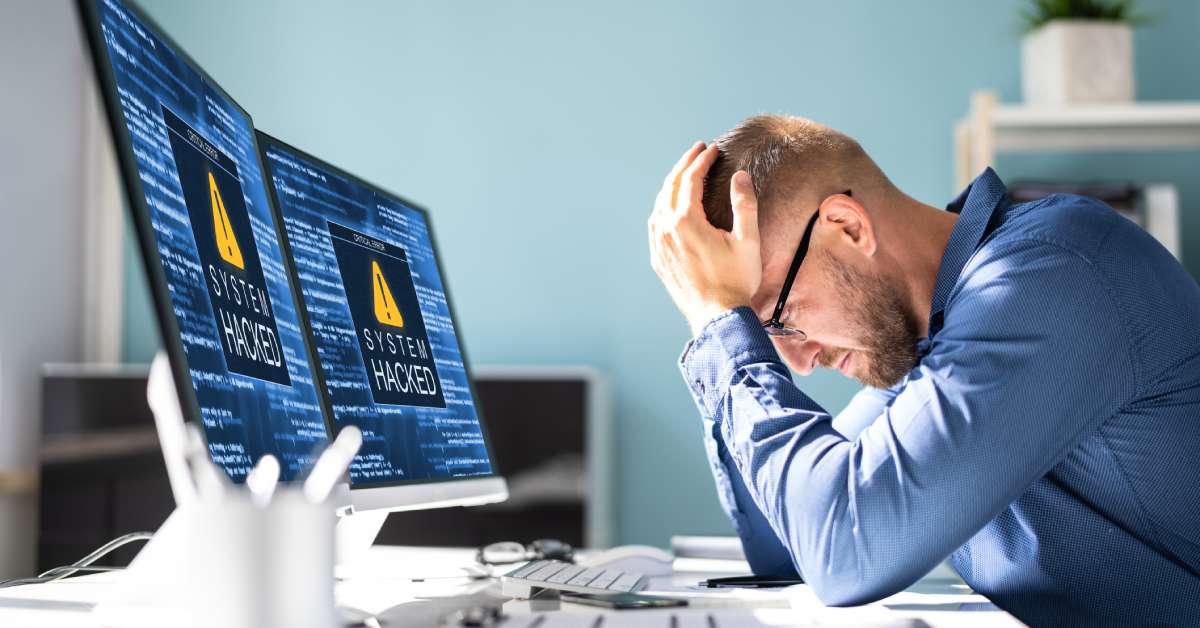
x=706, y=270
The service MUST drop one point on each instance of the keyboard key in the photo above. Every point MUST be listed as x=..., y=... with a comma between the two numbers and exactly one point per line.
x=625, y=583
x=549, y=569
x=527, y=569
x=563, y=576
x=603, y=580
x=585, y=578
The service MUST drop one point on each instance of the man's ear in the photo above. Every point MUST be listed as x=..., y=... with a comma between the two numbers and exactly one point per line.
x=853, y=225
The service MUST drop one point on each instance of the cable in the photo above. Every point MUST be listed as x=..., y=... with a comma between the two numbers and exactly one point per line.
x=83, y=564
x=100, y=552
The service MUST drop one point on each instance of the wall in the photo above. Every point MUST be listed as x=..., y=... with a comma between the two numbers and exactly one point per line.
x=41, y=164
x=538, y=133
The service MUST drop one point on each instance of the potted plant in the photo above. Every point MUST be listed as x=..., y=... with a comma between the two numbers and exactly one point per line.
x=1078, y=51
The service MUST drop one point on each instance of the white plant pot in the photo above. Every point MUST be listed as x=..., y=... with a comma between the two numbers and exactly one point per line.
x=1078, y=61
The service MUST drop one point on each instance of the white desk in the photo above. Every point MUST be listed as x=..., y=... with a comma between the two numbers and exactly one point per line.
x=384, y=581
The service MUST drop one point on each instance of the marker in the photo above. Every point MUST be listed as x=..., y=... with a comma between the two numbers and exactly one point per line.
x=263, y=479
x=211, y=482
x=332, y=464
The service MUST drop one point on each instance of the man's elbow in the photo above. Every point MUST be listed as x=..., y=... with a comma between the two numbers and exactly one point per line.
x=848, y=595
x=850, y=587
x=848, y=573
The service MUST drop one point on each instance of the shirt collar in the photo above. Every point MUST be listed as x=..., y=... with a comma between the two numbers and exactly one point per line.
x=984, y=198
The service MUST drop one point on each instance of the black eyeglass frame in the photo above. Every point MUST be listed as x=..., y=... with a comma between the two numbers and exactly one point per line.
x=774, y=326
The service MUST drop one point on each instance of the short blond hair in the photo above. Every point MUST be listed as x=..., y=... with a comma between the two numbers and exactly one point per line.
x=787, y=157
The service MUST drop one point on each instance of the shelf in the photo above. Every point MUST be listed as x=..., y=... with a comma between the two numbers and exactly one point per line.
x=991, y=127
x=99, y=445
x=1160, y=125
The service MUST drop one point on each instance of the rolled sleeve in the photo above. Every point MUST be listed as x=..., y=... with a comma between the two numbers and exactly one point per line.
x=727, y=343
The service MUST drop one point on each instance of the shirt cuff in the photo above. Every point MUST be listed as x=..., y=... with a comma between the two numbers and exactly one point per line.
x=725, y=345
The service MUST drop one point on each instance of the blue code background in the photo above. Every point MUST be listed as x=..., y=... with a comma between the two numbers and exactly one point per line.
x=401, y=443
x=244, y=417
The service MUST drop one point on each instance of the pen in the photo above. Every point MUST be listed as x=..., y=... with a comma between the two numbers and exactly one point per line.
x=263, y=479
x=750, y=582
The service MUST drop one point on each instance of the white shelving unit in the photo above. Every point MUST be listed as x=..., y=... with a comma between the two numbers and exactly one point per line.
x=991, y=127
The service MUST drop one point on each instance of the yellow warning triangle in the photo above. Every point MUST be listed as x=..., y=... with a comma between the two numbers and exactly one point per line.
x=386, y=311
x=227, y=244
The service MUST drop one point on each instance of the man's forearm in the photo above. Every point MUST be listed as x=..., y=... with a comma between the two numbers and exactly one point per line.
x=764, y=551
x=766, y=554
x=739, y=383
x=864, y=516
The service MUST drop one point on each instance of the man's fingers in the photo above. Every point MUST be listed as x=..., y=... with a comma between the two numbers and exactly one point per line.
x=654, y=226
x=745, y=206
x=684, y=160
x=663, y=202
x=672, y=181
x=652, y=232
x=691, y=184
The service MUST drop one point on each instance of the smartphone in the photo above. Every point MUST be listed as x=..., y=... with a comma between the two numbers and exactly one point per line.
x=620, y=601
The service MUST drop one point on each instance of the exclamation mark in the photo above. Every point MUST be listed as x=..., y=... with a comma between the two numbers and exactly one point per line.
x=383, y=294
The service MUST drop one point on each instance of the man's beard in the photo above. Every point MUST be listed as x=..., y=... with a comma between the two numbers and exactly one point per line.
x=890, y=328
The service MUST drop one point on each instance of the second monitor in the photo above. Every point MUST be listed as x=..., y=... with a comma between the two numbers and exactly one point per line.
x=383, y=333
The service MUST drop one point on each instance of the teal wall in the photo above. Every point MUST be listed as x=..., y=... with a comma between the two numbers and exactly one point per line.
x=538, y=134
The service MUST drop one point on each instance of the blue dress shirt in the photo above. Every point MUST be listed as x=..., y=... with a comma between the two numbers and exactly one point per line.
x=1047, y=442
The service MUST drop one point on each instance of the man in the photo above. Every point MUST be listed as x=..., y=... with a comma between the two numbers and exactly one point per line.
x=1033, y=372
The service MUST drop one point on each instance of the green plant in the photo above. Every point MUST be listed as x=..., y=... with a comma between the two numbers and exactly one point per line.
x=1039, y=12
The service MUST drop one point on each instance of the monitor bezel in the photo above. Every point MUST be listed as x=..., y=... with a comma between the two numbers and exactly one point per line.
x=498, y=491
x=139, y=211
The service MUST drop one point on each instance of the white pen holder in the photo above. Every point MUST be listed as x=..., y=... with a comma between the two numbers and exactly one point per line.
x=302, y=555
x=225, y=561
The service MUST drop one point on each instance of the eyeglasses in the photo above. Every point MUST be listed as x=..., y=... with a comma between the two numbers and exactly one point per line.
x=774, y=326
x=506, y=552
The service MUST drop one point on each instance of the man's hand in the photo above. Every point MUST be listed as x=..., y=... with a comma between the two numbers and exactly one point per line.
x=707, y=271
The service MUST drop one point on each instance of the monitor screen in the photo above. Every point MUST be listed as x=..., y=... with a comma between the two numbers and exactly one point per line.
x=381, y=322
x=211, y=243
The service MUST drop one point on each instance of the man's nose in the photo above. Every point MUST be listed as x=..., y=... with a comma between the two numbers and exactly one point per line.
x=803, y=356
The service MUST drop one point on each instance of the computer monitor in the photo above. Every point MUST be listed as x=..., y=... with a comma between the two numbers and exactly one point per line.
x=382, y=326
x=210, y=245
x=226, y=294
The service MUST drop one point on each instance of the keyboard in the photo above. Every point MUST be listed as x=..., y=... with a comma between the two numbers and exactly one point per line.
x=562, y=576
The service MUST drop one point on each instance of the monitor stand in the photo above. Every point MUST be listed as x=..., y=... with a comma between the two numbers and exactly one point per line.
x=355, y=532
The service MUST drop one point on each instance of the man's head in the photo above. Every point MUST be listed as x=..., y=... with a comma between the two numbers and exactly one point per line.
x=850, y=295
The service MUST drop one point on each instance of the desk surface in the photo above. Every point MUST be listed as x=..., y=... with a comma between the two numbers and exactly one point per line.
x=383, y=585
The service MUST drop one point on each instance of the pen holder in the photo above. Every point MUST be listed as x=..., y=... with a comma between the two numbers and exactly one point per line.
x=301, y=542
x=258, y=554
x=227, y=561
x=263, y=565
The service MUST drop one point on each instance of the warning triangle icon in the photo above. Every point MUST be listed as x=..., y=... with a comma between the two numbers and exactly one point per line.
x=386, y=311
x=227, y=244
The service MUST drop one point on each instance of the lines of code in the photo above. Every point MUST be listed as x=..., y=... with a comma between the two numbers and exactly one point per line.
x=374, y=296
x=218, y=243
